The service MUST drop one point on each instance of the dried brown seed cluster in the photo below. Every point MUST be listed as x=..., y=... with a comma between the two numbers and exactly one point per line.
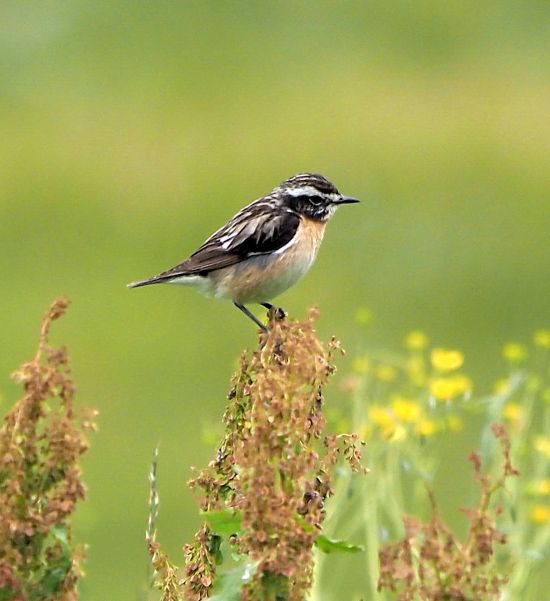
x=431, y=563
x=272, y=466
x=41, y=442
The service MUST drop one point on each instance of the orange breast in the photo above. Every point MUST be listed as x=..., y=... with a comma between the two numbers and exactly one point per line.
x=261, y=278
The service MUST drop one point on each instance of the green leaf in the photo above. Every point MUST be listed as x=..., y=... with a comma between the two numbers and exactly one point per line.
x=334, y=545
x=7, y=593
x=224, y=522
x=54, y=578
x=228, y=585
x=55, y=574
x=60, y=533
x=215, y=549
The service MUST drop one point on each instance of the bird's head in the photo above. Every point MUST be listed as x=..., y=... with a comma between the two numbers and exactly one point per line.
x=311, y=195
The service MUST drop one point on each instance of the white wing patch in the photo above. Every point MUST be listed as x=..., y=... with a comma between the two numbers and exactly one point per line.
x=226, y=241
x=281, y=250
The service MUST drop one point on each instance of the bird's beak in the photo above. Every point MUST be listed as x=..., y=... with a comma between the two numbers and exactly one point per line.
x=344, y=200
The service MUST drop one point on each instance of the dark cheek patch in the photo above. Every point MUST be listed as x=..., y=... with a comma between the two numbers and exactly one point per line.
x=318, y=213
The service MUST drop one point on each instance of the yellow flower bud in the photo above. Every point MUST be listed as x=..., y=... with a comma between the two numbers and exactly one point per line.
x=398, y=434
x=426, y=427
x=501, y=386
x=539, y=487
x=513, y=412
x=416, y=341
x=542, y=338
x=363, y=316
x=386, y=373
x=361, y=365
x=447, y=360
x=514, y=352
x=380, y=416
x=540, y=514
x=542, y=445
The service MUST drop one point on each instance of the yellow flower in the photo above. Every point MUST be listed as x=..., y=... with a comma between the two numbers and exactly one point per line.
x=501, y=386
x=448, y=388
x=363, y=316
x=416, y=341
x=386, y=373
x=542, y=444
x=382, y=417
x=398, y=434
x=514, y=352
x=539, y=487
x=540, y=514
x=513, y=412
x=463, y=384
x=442, y=388
x=447, y=360
x=406, y=410
x=426, y=427
x=361, y=365
x=542, y=338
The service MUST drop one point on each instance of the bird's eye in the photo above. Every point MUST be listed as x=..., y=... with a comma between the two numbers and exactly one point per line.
x=315, y=200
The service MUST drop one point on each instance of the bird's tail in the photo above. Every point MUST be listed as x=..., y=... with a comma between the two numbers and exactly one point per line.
x=177, y=276
x=154, y=280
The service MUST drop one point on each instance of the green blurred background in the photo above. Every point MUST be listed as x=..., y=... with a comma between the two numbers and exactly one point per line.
x=131, y=130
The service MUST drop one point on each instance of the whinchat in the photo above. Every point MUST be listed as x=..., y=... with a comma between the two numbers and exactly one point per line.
x=266, y=248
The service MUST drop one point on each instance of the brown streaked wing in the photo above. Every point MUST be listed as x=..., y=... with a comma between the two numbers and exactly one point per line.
x=259, y=232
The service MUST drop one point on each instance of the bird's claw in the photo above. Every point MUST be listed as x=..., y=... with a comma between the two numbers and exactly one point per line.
x=279, y=313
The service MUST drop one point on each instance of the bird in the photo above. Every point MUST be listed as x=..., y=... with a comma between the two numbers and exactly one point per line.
x=265, y=248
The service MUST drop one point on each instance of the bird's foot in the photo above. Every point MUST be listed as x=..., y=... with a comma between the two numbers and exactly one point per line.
x=280, y=313
x=275, y=313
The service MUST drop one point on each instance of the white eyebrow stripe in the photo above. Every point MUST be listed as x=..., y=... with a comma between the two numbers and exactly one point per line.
x=304, y=191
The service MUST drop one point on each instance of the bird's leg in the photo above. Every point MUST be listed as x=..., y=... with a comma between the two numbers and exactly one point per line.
x=251, y=316
x=278, y=312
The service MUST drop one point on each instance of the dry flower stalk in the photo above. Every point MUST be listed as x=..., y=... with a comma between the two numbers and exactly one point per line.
x=431, y=564
x=164, y=575
x=273, y=466
x=41, y=441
